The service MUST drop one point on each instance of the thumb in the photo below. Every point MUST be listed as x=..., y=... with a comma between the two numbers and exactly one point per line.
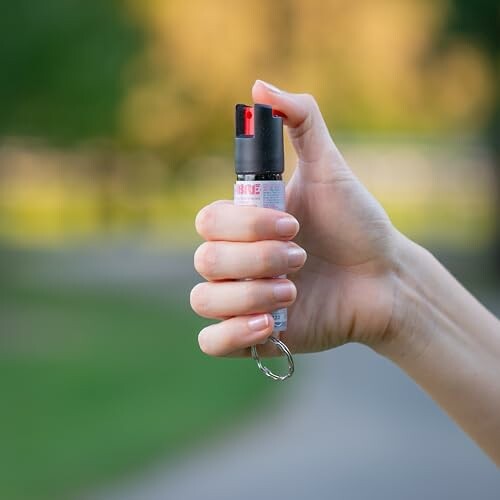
x=306, y=127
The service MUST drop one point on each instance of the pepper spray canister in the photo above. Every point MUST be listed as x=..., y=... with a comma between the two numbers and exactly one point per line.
x=259, y=166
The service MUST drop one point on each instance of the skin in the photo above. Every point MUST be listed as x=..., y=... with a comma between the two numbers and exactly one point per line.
x=352, y=277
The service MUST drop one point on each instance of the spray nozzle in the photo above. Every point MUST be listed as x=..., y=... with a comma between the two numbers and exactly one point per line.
x=259, y=140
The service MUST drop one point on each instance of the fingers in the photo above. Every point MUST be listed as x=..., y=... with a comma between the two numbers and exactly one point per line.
x=235, y=334
x=225, y=260
x=226, y=299
x=308, y=131
x=224, y=221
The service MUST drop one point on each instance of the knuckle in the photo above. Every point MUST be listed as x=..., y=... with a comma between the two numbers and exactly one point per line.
x=270, y=260
x=258, y=223
x=226, y=344
x=310, y=101
x=205, y=221
x=251, y=298
x=205, y=259
x=204, y=343
x=261, y=256
x=256, y=228
x=199, y=299
x=215, y=340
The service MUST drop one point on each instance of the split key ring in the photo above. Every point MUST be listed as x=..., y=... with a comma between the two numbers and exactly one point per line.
x=264, y=369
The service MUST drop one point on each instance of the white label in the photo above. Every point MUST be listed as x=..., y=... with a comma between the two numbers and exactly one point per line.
x=265, y=194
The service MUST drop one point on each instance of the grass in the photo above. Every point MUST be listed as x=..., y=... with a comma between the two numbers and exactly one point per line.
x=94, y=384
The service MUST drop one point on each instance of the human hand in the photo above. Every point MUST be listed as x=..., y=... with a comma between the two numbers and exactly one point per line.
x=362, y=282
x=344, y=292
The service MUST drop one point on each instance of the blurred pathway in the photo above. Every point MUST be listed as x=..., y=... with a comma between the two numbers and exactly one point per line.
x=116, y=266
x=349, y=425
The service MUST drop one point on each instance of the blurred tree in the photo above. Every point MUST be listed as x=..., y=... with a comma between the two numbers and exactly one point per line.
x=479, y=21
x=166, y=81
x=365, y=61
x=62, y=64
x=62, y=76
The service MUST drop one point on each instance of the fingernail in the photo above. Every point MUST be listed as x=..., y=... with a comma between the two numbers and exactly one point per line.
x=270, y=87
x=284, y=292
x=287, y=226
x=296, y=256
x=259, y=323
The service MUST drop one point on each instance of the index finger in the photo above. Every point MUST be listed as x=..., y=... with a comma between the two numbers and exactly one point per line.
x=225, y=221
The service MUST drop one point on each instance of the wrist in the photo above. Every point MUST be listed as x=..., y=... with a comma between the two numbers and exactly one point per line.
x=429, y=306
x=406, y=333
x=447, y=342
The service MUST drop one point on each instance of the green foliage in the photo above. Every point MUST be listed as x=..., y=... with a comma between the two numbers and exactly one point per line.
x=478, y=20
x=61, y=67
x=94, y=384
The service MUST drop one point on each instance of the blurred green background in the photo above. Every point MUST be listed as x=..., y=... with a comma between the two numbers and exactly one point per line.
x=116, y=127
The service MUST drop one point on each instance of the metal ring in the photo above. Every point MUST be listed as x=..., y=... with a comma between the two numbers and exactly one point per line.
x=284, y=349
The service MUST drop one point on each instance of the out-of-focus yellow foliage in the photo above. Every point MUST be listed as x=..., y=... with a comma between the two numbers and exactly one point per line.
x=196, y=62
x=372, y=65
x=369, y=63
x=441, y=193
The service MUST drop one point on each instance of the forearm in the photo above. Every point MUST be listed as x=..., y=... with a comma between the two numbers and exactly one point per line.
x=443, y=338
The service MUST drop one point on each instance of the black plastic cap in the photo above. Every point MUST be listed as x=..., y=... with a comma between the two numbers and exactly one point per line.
x=259, y=140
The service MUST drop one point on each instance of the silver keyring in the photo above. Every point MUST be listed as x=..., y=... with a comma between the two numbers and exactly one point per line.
x=284, y=349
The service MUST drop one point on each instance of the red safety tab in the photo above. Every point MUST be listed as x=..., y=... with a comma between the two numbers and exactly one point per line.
x=248, y=123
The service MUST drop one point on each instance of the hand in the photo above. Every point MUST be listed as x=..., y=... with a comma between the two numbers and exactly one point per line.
x=344, y=292
x=362, y=281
